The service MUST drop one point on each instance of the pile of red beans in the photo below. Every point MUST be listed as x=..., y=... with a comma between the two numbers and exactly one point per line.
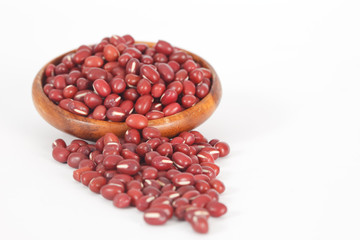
x=118, y=77
x=161, y=177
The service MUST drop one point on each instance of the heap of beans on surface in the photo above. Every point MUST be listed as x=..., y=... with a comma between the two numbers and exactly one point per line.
x=161, y=177
x=118, y=77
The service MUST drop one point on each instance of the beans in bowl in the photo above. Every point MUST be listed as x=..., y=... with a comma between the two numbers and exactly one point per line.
x=119, y=77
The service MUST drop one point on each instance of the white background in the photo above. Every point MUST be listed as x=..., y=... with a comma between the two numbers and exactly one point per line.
x=290, y=111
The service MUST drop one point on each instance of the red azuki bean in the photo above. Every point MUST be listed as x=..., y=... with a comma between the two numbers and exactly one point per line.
x=155, y=216
x=128, y=166
x=59, y=82
x=96, y=184
x=152, y=182
x=177, y=86
x=60, y=154
x=208, y=171
x=143, y=86
x=134, y=52
x=188, y=101
x=58, y=143
x=64, y=104
x=216, y=209
x=217, y=185
x=93, y=61
x=81, y=55
x=116, y=114
x=174, y=65
x=172, y=109
x=110, y=66
x=48, y=87
x=96, y=73
x=169, y=96
x=147, y=59
x=124, y=58
x=207, y=73
x=189, y=88
x=78, y=108
x=99, y=112
x=132, y=136
x=118, y=85
x=80, y=95
x=161, y=163
x=189, y=65
x=132, y=66
x=183, y=179
x=102, y=87
x=181, y=160
x=202, y=90
x=150, y=156
x=137, y=121
x=179, y=57
x=143, y=202
x=205, y=157
x=122, y=200
x=50, y=70
x=154, y=114
x=73, y=147
x=77, y=173
x=92, y=100
x=191, y=194
x=199, y=224
x=166, y=72
x=202, y=186
x=56, y=95
x=143, y=104
x=111, y=161
x=111, y=53
x=143, y=148
x=213, y=194
x=74, y=159
x=141, y=46
x=132, y=79
x=196, y=76
x=213, y=166
x=146, y=71
x=130, y=146
x=70, y=91
x=83, y=84
x=134, y=184
x=194, y=169
x=171, y=173
x=151, y=132
x=61, y=69
x=87, y=176
x=201, y=200
x=87, y=163
x=154, y=143
x=165, y=149
x=131, y=94
x=223, y=148
x=127, y=106
x=180, y=202
x=157, y=90
x=181, y=75
x=164, y=47
x=112, y=100
x=134, y=194
x=150, y=173
x=160, y=58
x=110, y=190
x=128, y=154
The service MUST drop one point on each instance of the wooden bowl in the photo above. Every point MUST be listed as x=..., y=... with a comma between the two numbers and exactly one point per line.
x=91, y=129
